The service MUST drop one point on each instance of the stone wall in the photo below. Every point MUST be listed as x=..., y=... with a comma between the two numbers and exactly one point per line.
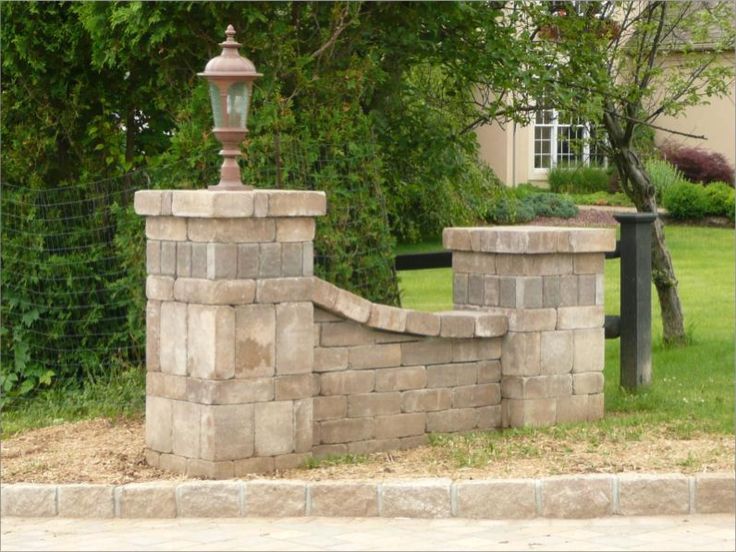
x=254, y=364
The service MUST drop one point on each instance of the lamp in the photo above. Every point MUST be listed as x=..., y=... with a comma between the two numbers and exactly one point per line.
x=230, y=78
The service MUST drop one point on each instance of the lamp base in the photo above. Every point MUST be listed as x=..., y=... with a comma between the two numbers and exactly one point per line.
x=228, y=187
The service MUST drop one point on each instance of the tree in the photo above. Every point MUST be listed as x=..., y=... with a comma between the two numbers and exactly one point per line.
x=611, y=62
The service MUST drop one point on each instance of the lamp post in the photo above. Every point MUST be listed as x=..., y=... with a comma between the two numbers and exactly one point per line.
x=230, y=78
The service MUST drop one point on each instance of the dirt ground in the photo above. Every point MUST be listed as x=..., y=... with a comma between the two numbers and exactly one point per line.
x=105, y=451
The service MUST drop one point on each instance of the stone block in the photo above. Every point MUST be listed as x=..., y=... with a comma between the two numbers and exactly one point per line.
x=556, y=352
x=422, y=323
x=330, y=408
x=491, y=291
x=284, y=290
x=387, y=318
x=209, y=499
x=348, y=382
x=416, y=499
x=452, y=375
x=166, y=228
x=467, y=350
x=183, y=259
x=507, y=292
x=253, y=465
x=374, y=356
x=222, y=261
x=499, y=499
x=255, y=341
x=587, y=240
x=572, y=318
x=159, y=288
x=457, y=324
x=529, y=412
x=568, y=291
x=153, y=336
x=653, y=495
x=323, y=451
x=248, y=261
x=231, y=230
x=28, y=500
x=167, y=386
x=587, y=383
x=528, y=320
x=714, y=493
x=456, y=239
x=521, y=354
x=293, y=203
x=589, y=350
x=234, y=391
x=490, y=417
x=303, y=426
x=291, y=461
x=487, y=394
x=344, y=431
x=147, y=202
x=153, y=257
x=352, y=306
x=529, y=292
x=173, y=340
x=596, y=406
x=400, y=425
x=330, y=359
x=476, y=289
x=577, y=497
x=214, y=292
x=199, y=260
x=490, y=325
x=212, y=204
x=589, y=263
x=537, y=387
x=294, y=338
x=211, y=342
x=413, y=441
x=460, y=419
x=572, y=409
x=274, y=431
x=186, y=428
x=159, y=420
x=426, y=400
x=275, y=498
x=478, y=263
x=460, y=288
x=292, y=260
x=269, y=262
x=342, y=334
x=168, y=258
x=260, y=203
x=210, y=470
x=173, y=463
x=298, y=386
x=307, y=259
x=401, y=379
x=586, y=289
x=86, y=501
x=373, y=445
x=551, y=293
x=373, y=404
x=295, y=229
x=600, y=295
x=430, y=351
x=489, y=371
x=147, y=500
x=336, y=499
x=227, y=432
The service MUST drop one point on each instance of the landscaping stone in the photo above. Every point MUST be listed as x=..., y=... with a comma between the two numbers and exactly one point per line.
x=146, y=500
x=86, y=501
x=343, y=499
x=510, y=499
x=417, y=499
x=648, y=495
x=577, y=496
x=275, y=498
x=209, y=499
x=714, y=493
x=28, y=500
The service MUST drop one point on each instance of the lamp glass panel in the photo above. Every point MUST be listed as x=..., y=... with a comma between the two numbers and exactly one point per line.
x=237, y=105
x=216, y=105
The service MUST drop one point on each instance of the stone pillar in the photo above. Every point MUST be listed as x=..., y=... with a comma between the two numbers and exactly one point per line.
x=549, y=283
x=229, y=329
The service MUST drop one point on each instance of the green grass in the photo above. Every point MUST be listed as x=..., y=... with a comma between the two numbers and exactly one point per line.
x=120, y=394
x=693, y=386
x=618, y=199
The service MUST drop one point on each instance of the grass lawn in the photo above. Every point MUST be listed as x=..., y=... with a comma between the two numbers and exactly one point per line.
x=693, y=386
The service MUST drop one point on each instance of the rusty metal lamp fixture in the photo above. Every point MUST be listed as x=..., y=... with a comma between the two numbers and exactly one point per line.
x=230, y=78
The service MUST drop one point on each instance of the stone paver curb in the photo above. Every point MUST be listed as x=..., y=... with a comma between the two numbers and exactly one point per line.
x=572, y=496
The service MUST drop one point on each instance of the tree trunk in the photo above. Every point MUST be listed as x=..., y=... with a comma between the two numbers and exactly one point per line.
x=635, y=183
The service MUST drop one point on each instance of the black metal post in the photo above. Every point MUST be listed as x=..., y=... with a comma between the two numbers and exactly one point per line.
x=636, y=299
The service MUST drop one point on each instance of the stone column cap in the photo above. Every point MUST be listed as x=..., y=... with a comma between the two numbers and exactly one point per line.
x=529, y=239
x=230, y=204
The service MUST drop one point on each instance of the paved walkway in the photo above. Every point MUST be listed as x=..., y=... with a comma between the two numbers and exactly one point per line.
x=697, y=532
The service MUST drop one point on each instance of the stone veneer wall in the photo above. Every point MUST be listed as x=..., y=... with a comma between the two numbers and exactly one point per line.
x=254, y=364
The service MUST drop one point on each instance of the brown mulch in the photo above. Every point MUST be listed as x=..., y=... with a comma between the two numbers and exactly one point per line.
x=585, y=217
x=106, y=451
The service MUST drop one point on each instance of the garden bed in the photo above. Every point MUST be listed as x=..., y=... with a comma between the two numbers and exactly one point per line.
x=112, y=452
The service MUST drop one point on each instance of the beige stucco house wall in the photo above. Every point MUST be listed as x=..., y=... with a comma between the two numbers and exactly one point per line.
x=509, y=151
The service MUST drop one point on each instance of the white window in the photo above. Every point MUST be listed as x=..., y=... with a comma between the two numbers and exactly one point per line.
x=562, y=139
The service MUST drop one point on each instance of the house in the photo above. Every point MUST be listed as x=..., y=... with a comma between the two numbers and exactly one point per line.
x=519, y=153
